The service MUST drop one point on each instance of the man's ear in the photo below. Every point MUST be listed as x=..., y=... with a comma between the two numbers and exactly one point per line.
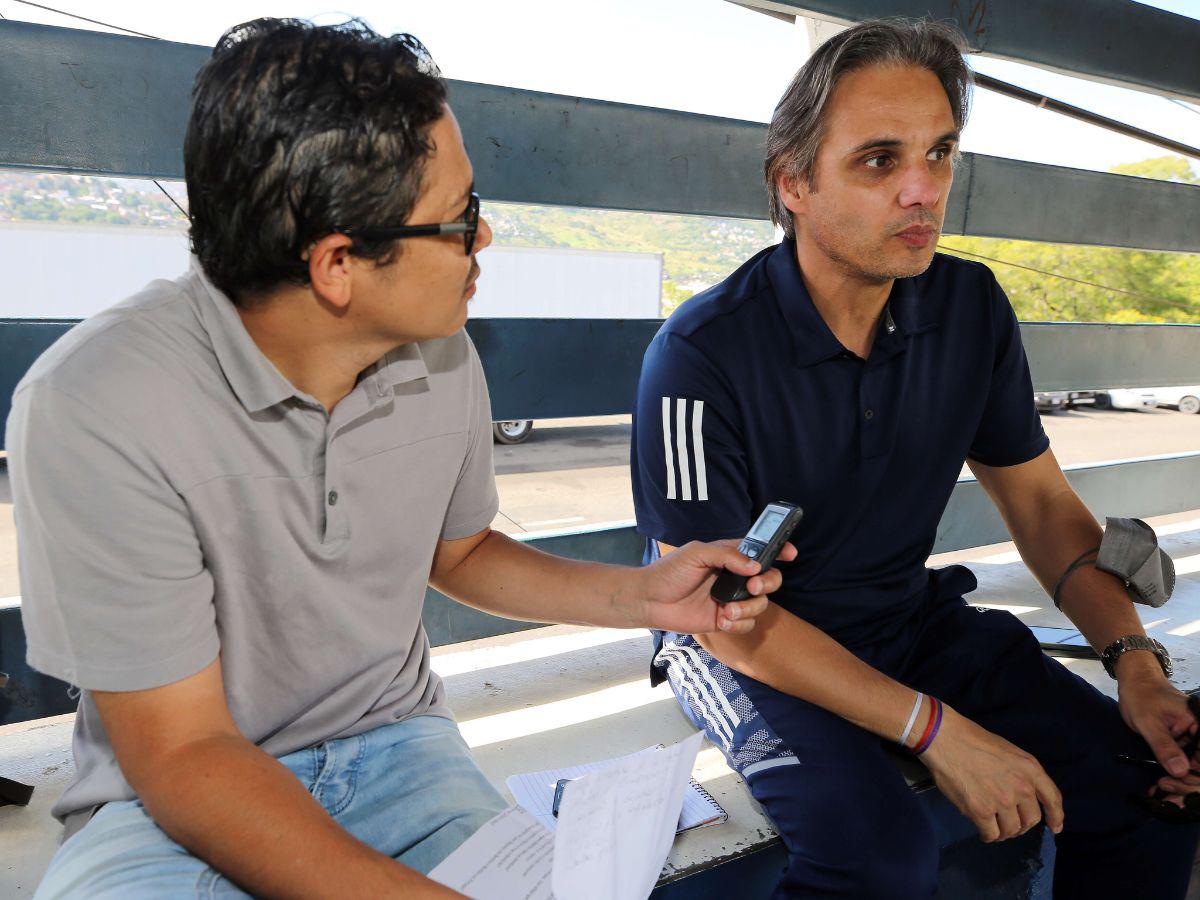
x=330, y=269
x=793, y=192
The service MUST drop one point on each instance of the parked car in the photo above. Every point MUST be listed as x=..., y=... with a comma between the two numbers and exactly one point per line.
x=1051, y=401
x=512, y=432
x=1126, y=398
x=1186, y=399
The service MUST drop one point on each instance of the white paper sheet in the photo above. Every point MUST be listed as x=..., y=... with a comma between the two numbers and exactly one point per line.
x=534, y=791
x=615, y=828
x=616, y=825
x=509, y=858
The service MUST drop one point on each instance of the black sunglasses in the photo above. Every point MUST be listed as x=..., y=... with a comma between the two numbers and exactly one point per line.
x=467, y=225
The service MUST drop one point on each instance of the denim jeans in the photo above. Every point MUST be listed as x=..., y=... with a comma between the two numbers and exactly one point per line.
x=410, y=790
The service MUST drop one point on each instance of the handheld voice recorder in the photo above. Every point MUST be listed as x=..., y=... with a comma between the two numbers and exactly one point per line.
x=762, y=544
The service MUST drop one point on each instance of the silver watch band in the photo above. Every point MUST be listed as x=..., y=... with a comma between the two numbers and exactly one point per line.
x=1134, y=642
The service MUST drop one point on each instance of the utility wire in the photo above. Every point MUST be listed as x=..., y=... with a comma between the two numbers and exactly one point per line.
x=70, y=15
x=172, y=199
x=1075, y=112
x=1186, y=106
x=1104, y=287
x=86, y=19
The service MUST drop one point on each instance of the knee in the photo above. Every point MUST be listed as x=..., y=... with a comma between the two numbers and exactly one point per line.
x=891, y=859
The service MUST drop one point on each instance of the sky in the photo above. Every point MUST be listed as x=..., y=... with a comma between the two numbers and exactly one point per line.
x=705, y=56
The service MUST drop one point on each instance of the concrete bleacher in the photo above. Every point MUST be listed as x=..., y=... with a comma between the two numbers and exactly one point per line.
x=561, y=695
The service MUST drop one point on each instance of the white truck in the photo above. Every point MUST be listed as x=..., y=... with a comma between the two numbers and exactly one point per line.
x=559, y=283
x=73, y=271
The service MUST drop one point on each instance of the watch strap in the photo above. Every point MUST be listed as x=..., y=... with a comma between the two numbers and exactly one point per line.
x=1134, y=642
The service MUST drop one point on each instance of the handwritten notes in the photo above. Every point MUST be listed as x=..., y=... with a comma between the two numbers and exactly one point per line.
x=509, y=858
x=534, y=792
x=616, y=825
x=615, y=828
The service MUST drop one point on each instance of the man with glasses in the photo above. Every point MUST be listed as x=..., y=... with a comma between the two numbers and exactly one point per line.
x=232, y=489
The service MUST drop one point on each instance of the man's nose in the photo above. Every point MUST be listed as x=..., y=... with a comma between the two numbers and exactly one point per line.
x=483, y=236
x=920, y=188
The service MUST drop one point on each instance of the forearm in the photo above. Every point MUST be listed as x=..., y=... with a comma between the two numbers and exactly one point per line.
x=507, y=578
x=790, y=655
x=1094, y=601
x=246, y=815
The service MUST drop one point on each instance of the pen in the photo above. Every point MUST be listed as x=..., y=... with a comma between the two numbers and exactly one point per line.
x=1148, y=764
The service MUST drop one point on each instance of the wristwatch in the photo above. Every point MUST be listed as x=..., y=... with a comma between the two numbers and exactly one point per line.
x=1134, y=642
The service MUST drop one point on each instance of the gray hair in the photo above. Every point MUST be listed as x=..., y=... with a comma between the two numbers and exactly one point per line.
x=798, y=124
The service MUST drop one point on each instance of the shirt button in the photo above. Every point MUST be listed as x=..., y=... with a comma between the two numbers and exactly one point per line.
x=333, y=498
x=869, y=414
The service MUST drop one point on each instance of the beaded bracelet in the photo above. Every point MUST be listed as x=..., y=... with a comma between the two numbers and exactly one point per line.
x=931, y=728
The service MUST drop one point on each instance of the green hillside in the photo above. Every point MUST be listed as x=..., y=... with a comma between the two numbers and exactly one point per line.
x=699, y=251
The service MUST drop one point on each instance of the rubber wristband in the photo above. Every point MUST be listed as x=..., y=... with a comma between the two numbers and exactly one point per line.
x=928, y=724
x=912, y=719
x=937, y=724
x=1079, y=561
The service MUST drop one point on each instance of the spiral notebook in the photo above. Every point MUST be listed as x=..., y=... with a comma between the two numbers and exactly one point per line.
x=534, y=792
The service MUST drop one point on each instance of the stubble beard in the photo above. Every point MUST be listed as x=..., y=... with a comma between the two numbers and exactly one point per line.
x=869, y=262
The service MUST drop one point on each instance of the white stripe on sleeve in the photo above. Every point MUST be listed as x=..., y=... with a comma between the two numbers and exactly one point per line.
x=668, y=450
x=698, y=446
x=685, y=472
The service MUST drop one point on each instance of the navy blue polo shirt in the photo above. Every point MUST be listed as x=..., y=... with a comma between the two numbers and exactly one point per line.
x=746, y=397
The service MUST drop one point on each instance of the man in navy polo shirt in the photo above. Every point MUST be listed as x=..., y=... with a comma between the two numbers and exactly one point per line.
x=850, y=370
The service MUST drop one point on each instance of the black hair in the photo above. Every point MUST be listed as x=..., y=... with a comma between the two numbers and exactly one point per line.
x=297, y=131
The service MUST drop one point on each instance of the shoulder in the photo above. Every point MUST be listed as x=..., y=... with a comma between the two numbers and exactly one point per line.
x=700, y=333
x=128, y=360
x=730, y=299
x=123, y=341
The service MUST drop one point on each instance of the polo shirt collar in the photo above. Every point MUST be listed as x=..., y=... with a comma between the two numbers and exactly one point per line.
x=403, y=364
x=812, y=340
x=254, y=378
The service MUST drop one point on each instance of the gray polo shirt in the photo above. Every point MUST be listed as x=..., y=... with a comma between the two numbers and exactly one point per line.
x=177, y=498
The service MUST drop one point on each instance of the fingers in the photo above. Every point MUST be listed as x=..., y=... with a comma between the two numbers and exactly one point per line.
x=1050, y=798
x=738, y=617
x=1009, y=821
x=1166, y=751
x=1029, y=812
x=722, y=554
x=989, y=829
x=767, y=583
x=1174, y=786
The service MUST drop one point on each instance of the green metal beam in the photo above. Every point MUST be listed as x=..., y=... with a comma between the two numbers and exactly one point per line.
x=1110, y=41
x=80, y=101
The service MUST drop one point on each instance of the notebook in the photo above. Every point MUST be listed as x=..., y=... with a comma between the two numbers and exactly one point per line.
x=534, y=792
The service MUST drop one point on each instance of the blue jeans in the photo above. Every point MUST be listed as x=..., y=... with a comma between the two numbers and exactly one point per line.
x=410, y=790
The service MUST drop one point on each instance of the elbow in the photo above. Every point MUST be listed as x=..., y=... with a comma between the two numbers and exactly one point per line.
x=728, y=649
